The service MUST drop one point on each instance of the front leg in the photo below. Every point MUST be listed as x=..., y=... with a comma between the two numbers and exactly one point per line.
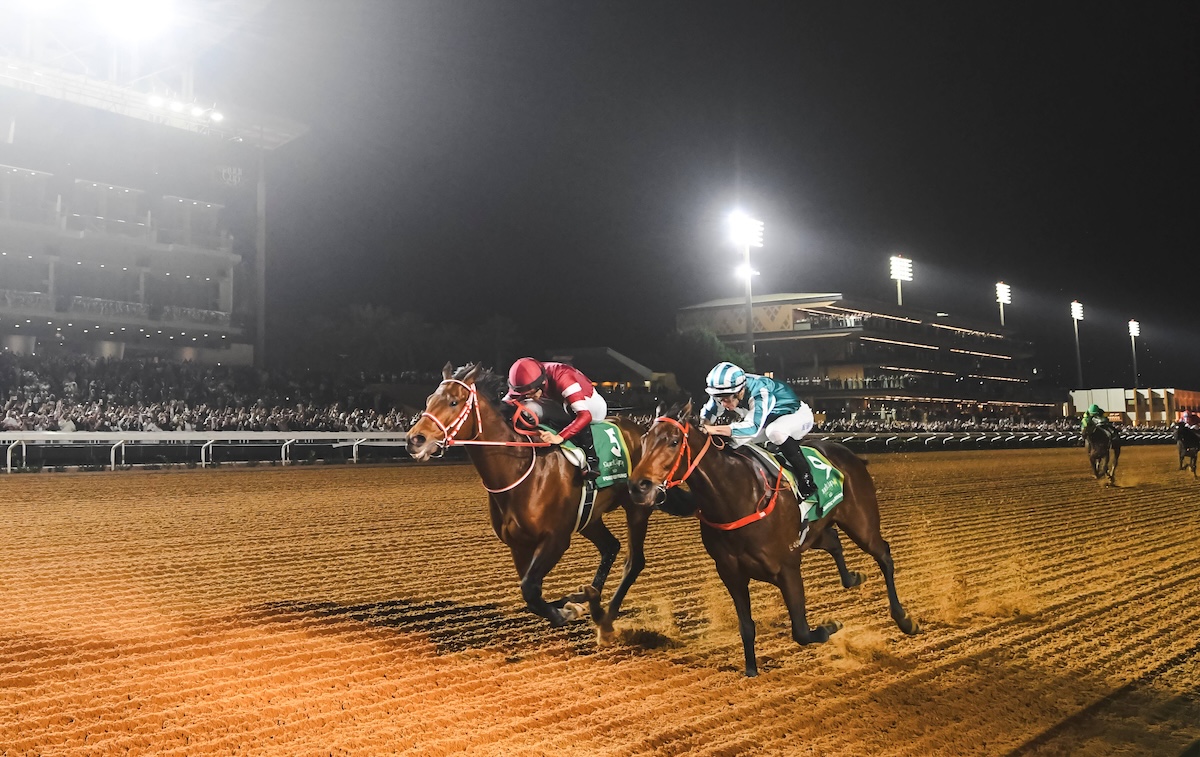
x=538, y=562
x=738, y=586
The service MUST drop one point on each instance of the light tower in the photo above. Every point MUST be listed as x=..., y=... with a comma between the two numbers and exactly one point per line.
x=1076, y=317
x=901, y=271
x=746, y=232
x=1135, y=330
x=1004, y=297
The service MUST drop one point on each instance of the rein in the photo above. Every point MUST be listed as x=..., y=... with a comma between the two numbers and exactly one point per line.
x=451, y=429
x=759, y=513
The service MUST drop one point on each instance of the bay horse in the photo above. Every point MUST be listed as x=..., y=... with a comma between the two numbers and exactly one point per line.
x=534, y=492
x=753, y=529
x=1104, y=452
x=1188, y=443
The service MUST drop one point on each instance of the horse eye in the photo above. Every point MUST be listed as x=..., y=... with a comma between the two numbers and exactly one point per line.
x=453, y=403
x=674, y=442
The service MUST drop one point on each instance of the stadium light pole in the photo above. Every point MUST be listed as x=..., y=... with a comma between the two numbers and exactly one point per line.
x=901, y=271
x=1076, y=317
x=747, y=232
x=1004, y=297
x=1135, y=330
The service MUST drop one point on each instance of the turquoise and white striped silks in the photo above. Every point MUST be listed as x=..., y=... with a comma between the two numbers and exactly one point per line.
x=764, y=397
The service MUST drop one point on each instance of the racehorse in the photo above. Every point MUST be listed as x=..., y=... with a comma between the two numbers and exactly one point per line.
x=1188, y=443
x=752, y=528
x=1103, y=446
x=534, y=491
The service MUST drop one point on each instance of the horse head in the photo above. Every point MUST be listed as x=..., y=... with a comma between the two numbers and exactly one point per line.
x=667, y=455
x=451, y=412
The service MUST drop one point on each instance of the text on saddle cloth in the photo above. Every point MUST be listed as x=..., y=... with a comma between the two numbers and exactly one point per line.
x=829, y=480
x=611, y=452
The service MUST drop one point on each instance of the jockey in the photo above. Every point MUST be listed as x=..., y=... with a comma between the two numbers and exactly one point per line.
x=1190, y=420
x=1094, y=417
x=531, y=381
x=769, y=410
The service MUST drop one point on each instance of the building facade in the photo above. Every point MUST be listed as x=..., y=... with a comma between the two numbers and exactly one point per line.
x=848, y=357
x=132, y=215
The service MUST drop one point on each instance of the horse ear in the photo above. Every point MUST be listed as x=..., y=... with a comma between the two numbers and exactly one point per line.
x=687, y=408
x=473, y=371
x=661, y=410
x=447, y=370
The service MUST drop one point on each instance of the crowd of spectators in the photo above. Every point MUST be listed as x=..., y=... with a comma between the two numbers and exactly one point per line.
x=75, y=393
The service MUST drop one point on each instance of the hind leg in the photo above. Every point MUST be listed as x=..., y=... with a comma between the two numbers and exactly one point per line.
x=830, y=542
x=864, y=531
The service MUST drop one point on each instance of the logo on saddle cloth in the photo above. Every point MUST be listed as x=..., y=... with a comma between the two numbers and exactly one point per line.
x=829, y=480
x=611, y=453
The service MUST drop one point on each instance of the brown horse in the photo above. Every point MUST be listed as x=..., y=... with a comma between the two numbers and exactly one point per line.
x=534, y=492
x=753, y=529
x=1187, y=442
x=1104, y=452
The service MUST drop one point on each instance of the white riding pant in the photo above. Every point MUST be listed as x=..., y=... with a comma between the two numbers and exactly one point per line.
x=792, y=426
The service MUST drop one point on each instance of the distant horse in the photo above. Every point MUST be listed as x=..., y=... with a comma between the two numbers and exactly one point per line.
x=1104, y=452
x=752, y=528
x=534, y=491
x=1188, y=443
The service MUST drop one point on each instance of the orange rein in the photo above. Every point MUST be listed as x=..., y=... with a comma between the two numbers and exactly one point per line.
x=754, y=517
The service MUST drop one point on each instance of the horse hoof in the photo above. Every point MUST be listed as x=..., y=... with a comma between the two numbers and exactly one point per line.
x=752, y=672
x=573, y=611
x=590, y=593
x=855, y=578
x=909, y=626
x=605, y=635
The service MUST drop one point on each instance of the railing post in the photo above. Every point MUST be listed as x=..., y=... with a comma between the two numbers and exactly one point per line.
x=112, y=455
x=284, y=458
x=354, y=449
x=10, y=450
x=206, y=447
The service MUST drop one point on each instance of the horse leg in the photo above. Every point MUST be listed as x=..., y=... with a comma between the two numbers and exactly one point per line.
x=1112, y=472
x=867, y=536
x=609, y=546
x=791, y=585
x=830, y=542
x=637, y=520
x=738, y=587
x=537, y=563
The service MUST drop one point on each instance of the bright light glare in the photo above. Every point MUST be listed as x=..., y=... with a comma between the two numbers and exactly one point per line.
x=901, y=268
x=1003, y=293
x=217, y=116
x=744, y=230
x=197, y=111
x=134, y=20
x=1135, y=328
x=1077, y=310
x=176, y=106
x=744, y=271
x=156, y=101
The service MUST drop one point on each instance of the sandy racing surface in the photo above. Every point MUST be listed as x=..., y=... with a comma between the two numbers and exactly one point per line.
x=336, y=610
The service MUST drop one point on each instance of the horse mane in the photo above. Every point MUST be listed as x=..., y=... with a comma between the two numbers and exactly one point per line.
x=488, y=384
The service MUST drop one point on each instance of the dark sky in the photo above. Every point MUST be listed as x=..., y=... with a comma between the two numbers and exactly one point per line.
x=523, y=157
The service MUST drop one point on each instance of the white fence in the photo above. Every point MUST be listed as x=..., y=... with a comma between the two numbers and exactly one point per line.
x=116, y=441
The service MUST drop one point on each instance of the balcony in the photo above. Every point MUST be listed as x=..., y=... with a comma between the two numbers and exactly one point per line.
x=108, y=308
x=31, y=302
x=195, y=316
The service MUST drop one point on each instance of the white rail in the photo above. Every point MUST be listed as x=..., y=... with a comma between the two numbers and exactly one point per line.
x=117, y=440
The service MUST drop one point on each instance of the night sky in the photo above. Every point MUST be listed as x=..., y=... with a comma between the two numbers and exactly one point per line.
x=470, y=158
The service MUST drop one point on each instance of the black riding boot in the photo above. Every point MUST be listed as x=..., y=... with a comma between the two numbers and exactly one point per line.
x=804, y=480
x=584, y=441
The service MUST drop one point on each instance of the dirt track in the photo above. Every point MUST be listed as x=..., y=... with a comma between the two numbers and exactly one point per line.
x=371, y=611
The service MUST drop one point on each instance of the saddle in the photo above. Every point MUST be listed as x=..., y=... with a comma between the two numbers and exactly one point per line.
x=829, y=480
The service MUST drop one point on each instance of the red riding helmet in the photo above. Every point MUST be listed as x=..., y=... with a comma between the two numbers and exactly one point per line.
x=526, y=376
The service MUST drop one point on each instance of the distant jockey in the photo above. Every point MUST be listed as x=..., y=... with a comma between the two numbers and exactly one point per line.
x=1094, y=418
x=771, y=411
x=531, y=381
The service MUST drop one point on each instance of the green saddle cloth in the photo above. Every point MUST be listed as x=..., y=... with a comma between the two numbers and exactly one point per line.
x=829, y=480
x=611, y=453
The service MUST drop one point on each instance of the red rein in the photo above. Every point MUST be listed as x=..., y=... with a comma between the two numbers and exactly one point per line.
x=759, y=512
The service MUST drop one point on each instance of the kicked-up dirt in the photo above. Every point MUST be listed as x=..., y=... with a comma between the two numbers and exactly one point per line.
x=365, y=611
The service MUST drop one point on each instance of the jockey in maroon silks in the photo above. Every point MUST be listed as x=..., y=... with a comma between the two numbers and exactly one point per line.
x=531, y=381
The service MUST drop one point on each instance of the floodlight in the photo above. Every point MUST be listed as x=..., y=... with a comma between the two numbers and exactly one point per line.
x=216, y=116
x=1003, y=293
x=1135, y=328
x=901, y=268
x=1077, y=310
x=176, y=106
x=197, y=111
x=744, y=230
x=745, y=271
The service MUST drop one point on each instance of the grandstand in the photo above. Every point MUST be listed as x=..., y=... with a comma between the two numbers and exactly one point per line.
x=132, y=202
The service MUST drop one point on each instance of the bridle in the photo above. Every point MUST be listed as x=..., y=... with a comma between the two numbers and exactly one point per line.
x=450, y=432
x=685, y=451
